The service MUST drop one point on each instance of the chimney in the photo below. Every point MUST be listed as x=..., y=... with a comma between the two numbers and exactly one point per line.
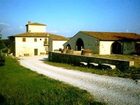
x=29, y=22
x=27, y=28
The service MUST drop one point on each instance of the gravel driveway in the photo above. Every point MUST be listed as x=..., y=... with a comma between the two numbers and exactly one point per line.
x=111, y=90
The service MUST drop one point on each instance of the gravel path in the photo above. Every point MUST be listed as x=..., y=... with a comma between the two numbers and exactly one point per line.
x=111, y=90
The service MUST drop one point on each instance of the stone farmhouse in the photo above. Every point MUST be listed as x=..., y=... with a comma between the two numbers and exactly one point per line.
x=105, y=43
x=36, y=41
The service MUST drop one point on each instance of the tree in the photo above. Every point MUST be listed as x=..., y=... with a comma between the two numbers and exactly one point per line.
x=3, y=26
x=2, y=56
x=2, y=45
x=0, y=36
x=2, y=48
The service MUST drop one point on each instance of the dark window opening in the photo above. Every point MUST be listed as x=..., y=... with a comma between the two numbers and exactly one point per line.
x=35, y=39
x=24, y=39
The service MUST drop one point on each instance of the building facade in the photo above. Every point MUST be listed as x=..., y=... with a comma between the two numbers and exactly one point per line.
x=104, y=43
x=36, y=41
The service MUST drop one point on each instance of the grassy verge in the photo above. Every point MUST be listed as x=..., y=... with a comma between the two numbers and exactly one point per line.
x=114, y=72
x=20, y=86
x=85, y=69
x=136, y=59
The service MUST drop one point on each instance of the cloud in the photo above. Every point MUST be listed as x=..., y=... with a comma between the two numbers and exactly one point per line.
x=4, y=24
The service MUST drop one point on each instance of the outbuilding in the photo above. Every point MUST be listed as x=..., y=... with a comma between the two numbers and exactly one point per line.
x=105, y=43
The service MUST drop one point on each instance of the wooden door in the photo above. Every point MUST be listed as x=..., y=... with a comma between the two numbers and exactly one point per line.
x=35, y=51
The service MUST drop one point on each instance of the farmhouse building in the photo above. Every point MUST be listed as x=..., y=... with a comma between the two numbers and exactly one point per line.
x=105, y=43
x=36, y=41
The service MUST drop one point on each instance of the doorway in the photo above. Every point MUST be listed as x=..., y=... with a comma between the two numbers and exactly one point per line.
x=35, y=52
x=68, y=47
x=116, y=48
x=79, y=44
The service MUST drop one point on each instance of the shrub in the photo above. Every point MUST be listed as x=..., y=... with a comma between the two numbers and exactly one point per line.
x=2, y=99
x=2, y=59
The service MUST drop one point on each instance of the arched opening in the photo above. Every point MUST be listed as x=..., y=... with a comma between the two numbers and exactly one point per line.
x=79, y=44
x=116, y=48
x=137, y=48
x=68, y=47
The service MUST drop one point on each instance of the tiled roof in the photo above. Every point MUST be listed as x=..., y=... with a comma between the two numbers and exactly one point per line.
x=110, y=36
x=36, y=24
x=52, y=36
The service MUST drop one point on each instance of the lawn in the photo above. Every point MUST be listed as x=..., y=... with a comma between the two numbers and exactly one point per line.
x=125, y=74
x=20, y=86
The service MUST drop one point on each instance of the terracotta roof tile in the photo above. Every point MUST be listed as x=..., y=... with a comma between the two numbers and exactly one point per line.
x=36, y=24
x=52, y=36
x=112, y=35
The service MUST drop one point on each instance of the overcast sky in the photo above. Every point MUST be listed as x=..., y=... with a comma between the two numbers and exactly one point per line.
x=67, y=17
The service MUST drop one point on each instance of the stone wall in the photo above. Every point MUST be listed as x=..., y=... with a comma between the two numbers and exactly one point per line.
x=76, y=59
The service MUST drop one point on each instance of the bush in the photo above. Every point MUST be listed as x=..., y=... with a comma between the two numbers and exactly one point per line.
x=2, y=45
x=2, y=99
x=3, y=50
x=2, y=59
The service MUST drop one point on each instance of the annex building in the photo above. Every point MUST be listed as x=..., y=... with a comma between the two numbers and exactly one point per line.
x=36, y=41
x=105, y=43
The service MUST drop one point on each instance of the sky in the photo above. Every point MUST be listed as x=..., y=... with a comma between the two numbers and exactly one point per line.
x=67, y=17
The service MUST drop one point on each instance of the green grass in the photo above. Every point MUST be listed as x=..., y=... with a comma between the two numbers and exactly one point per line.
x=85, y=69
x=20, y=86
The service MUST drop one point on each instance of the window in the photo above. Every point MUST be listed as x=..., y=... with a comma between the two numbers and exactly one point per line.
x=35, y=39
x=24, y=39
x=45, y=40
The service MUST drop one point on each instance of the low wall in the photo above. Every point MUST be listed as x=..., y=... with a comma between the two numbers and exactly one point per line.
x=76, y=59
